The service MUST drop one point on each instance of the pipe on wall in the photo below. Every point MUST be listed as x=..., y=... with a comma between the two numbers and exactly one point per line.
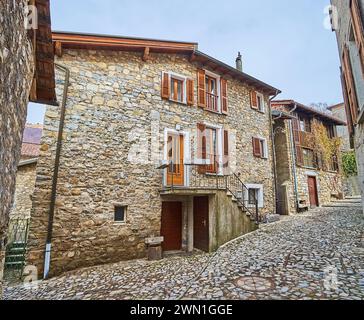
x=48, y=249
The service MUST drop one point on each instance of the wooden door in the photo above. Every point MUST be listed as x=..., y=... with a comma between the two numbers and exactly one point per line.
x=175, y=171
x=201, y=223
x=312, y=191
x=171, y=226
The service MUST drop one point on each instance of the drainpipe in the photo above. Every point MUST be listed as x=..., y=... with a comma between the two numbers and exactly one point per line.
x=52, y=205
x=273, y=150
x=293, y=155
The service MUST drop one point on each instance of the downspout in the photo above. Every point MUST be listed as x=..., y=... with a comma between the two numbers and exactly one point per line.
x=273, y=151
x=293, y=155
x=47, y=257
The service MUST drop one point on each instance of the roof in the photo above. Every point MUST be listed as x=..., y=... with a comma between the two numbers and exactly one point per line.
x=281, y=115
x=43, y=86
x=71, y=40
x=309, y=110
x=31, y=140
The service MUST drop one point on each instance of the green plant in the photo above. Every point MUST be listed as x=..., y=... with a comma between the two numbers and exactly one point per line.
x=349, y=165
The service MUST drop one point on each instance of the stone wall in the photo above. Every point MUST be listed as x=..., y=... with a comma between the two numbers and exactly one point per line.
x=113, y=98
x=24, y=189
x=16, y=70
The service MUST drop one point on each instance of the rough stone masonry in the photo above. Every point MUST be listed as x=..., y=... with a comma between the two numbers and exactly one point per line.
x=16, y=73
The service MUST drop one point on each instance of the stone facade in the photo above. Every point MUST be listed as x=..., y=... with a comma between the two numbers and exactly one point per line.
x=292, y=178
x=16, y=73
x=343, y=27
x=114, y=99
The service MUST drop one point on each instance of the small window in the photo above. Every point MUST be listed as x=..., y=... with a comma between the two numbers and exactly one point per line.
x=260, y=148
x=177, y=89
x=253, y=196
x=260, y=102
x=120, y=213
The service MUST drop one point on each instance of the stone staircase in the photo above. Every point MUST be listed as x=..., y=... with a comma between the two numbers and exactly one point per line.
x=349, y=202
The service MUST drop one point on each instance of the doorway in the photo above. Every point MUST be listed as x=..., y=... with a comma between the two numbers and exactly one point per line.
x=201, y=223
x=175, y=153
x=312, y=191
x=171, y=226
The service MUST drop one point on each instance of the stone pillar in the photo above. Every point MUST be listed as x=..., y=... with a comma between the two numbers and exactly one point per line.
x=16, y=73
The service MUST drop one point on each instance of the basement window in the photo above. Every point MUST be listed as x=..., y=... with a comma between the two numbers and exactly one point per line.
x=120, y=213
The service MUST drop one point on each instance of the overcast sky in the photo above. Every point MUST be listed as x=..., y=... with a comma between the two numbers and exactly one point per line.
x=283, y=42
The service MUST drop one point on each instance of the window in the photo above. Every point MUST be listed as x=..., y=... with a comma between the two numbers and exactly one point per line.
x=177, y=90
x=308, y=158
x=254, y=193
x=211, y=149
x=260, y=100
x=331, y=132
x=260, y=148
x=120, y=214
x=212, y=94
x=305, y=124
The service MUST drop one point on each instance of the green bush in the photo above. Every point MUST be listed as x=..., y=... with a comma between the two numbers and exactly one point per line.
x=349, y=164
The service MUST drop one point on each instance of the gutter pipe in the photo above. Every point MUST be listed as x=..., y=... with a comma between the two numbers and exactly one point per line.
x=47, y=257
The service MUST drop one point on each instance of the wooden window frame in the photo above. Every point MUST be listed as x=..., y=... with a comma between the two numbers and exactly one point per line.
x=263, y=146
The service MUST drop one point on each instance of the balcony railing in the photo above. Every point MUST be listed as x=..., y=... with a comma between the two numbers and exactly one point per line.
x=198, y=178
x=212, y=102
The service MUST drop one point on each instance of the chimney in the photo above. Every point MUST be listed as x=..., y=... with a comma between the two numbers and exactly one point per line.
x=239, y=62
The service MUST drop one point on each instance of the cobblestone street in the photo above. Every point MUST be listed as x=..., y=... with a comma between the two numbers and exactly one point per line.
x=316, y=255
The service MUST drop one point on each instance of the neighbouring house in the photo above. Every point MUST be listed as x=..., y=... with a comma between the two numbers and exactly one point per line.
x=308, y=175
x=159, y=139
x=350, y=182
x=26, y=72
x=347, y=22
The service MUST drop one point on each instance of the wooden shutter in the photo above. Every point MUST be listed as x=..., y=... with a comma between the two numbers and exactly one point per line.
x=201, y=88
x=296, y=131
x=226, y=149
x=224, y=99
x=350, y=85
x=201, y=146
x=254, y=99
x=190, y=92
x=358, y=30
x=257, y=151
x=347, y=105
x=299, y=155
x=165, y=86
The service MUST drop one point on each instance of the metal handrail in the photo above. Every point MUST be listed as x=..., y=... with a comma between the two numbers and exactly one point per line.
x=230, y=183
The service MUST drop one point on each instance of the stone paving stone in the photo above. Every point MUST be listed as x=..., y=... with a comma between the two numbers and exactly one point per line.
x=310, y=256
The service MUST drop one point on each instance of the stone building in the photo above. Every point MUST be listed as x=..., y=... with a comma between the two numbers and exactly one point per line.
x=159, y=139
x=26, y=174
x=347, y=22
x=304, y=179
x=351, y=183
x=20, y=51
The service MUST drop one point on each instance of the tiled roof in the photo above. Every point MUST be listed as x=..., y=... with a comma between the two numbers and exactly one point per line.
x=31, y=140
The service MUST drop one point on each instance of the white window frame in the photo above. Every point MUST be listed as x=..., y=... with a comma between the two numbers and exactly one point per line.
x=186, y=153
x=261, y=96
x=265, y=147
x=218, y=84
x=181, y=78
x=260, y=189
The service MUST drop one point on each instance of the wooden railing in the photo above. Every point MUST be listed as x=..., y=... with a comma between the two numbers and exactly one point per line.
x=212, y=102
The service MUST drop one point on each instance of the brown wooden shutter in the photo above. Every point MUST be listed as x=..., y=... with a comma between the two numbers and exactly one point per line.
x=201, y=88
x=254, y=99
x=224, y=98
x=296, y=131
x=190, y=92
x=201, y=146
x=358, y=29
x=165, y=87
x=226, y=149
x=299, y=155
x=350, y=85
x=256, y=148
x=347, y=105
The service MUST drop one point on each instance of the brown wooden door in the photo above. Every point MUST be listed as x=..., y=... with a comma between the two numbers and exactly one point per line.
x=201, y=223
x=175, y=172
x=171, y=226
x=312, y=191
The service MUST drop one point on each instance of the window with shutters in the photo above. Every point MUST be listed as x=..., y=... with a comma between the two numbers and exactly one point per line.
x=257, y=101
x=177, y=88
x=212, y=92
x=260, y=148
x=120, y=214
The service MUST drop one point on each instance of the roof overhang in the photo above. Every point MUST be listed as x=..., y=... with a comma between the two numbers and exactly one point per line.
x=27, y=162
x=276, y=114
x=71, y=40
x=309, y=111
